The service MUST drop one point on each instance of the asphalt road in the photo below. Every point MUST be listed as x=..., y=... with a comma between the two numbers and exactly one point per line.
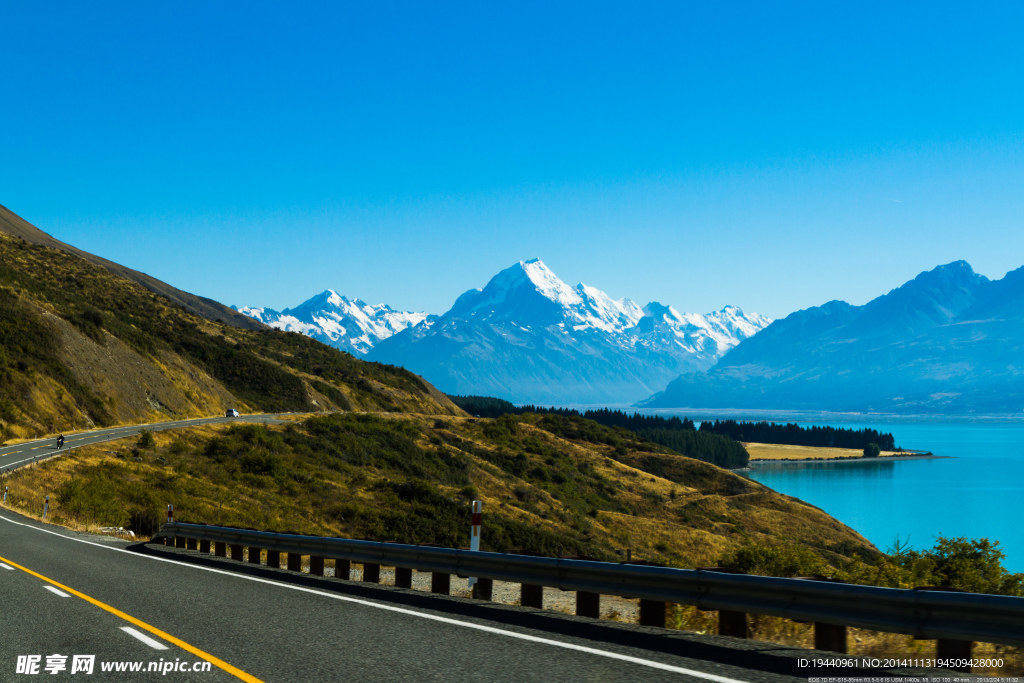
x=17, y=455
x=256, y=623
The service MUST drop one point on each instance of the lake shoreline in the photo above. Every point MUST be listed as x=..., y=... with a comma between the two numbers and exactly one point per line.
x=881, y=458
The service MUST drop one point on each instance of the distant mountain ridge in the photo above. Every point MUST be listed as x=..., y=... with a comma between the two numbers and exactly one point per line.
x=527, y=336
x=948, y=341
x=349, y=324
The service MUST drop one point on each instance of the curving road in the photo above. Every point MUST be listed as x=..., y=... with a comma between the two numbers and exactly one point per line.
x=19, y=454
x=70, y=594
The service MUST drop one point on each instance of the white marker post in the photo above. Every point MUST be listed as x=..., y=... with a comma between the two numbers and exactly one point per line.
x=46, y=507
x=5, y=495
x=474, y=537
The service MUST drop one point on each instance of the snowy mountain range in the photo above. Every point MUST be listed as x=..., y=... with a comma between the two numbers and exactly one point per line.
x=950, y=341
x=527, y=336
x=347, y=324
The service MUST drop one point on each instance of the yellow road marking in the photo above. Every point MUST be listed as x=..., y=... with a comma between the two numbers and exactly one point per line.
x=219, y=663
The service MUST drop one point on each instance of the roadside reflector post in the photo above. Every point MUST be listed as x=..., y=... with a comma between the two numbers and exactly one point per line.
x=474, y=535
x=5, y=495
x=46, y=506
x=170, y=513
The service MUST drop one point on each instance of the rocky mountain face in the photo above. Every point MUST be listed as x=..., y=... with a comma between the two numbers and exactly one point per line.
x=948, y=341
x=529, y=337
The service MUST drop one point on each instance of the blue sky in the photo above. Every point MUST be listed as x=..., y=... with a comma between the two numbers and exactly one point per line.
x=767, y=155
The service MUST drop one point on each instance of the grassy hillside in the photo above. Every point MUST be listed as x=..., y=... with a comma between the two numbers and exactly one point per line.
x=550, y=485
x=81, y=347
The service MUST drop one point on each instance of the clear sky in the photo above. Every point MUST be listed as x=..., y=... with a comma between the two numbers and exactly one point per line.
x=767, y=155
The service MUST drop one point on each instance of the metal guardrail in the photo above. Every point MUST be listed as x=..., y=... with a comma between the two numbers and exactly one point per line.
x=924, y=614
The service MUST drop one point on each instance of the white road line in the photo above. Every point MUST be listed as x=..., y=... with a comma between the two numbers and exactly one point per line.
x=5, y=566
x=155, y=644
x=408, y=612
x=57, y=592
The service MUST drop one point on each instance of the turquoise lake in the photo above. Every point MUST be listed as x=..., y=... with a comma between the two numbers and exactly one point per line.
x=976, y=490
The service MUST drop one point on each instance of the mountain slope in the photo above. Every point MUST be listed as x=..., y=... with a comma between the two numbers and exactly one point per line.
x=550, y=485
x=350, y=325
x=948, y=341
x=529, y=337
x=16, y=226
x=82, y=346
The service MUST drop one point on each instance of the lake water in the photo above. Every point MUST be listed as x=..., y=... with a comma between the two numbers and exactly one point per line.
x=977, y=491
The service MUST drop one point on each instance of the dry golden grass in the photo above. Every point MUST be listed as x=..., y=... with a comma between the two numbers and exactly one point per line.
x=773, y=451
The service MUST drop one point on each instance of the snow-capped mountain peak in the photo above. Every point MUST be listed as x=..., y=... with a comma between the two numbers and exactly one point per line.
x=528, y=336
x=349, y=324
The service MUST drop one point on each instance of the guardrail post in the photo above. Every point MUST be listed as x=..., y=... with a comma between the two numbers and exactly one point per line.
x=371, y=572
x=403, y=577
x=191, y=544
x=733, y=624
x=531, y=595
x=588, y=604
x=483, y=589
x=831, y=637
x=204, y=546
x=440, y=583
x=342, y=569
x=294, y=562
x=652, y=613
x=274, y=559
x=316, y=565
x=179, y=541
x=954, y=649
x=255, y=555
x=946, y=648
x=220, y=549
x=236, y=552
